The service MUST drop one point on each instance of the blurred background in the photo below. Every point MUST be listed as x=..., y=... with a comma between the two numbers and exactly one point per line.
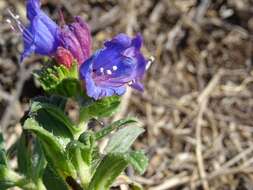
x=197, y=107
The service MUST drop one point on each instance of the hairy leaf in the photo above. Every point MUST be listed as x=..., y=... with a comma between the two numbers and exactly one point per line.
x=117, y=124
x=101, y=108
x=54, y=149
x=53, y=181
x=107, y=171
x=138, y=160
x=56, y=114
x=123, y=139
x=3, y=157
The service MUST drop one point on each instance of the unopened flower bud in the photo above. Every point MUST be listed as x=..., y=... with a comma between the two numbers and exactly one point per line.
x=64, y=57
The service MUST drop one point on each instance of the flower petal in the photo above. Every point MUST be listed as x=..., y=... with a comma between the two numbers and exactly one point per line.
x=41, y=35
x=120, y=41
x=137, y=85
x=33, y=8
x=137, y=41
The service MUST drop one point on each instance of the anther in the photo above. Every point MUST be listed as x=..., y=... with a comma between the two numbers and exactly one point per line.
x=102, y=70
x=130, y=82
x=18, y=26
x=8, y=21
x=151, y=60
x=114, y=67
x=109, y=72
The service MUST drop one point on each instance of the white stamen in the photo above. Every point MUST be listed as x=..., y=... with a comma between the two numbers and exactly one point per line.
x=109, y=72
x=130, y=82
x=13, y=28
x=114, y=67
x=17, y=17
x=8, y=21
x=102, y=70
x=18, y=25
x=150, y=61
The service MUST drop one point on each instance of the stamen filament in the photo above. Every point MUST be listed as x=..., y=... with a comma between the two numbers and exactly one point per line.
x=19, y=26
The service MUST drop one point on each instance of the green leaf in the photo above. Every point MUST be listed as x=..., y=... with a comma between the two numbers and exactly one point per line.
x=1, y=141
x=5, y=180
x=54, y=148
x=117, y=124
x=31, y=160
x=52, y=181
x=3, y=157
x=110, y=167
x=58, y=101
x=9, y=178
x=100, y=108
x=52, y=119
x=38, y=161
x=24, y=155
x=123, y=139
x=56, y=113
x=113, y=164
x=138, y=160
x=87, y=140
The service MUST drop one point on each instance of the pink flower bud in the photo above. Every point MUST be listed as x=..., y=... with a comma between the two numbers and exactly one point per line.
x=64, y=57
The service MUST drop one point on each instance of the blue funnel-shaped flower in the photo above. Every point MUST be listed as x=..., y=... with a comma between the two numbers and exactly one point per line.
x=41, y=35
x=110, y=69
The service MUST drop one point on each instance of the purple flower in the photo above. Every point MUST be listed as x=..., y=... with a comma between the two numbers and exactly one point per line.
x=41, y=35
x=76, y=38
x=110, y=69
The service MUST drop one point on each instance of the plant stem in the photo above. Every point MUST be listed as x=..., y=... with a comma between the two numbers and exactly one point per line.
x=40, y=185
x=83, y=170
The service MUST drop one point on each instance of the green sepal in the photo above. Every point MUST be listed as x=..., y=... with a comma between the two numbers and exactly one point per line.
x=60, y=80
x=54, y=148
x=123, y=139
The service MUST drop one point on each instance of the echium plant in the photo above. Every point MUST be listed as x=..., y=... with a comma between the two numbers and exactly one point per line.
x=55, y=151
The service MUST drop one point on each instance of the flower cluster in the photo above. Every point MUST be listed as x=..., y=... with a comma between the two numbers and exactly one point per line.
x=105, y=73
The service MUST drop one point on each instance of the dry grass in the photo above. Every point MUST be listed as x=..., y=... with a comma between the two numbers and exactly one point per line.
x=198, y=104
